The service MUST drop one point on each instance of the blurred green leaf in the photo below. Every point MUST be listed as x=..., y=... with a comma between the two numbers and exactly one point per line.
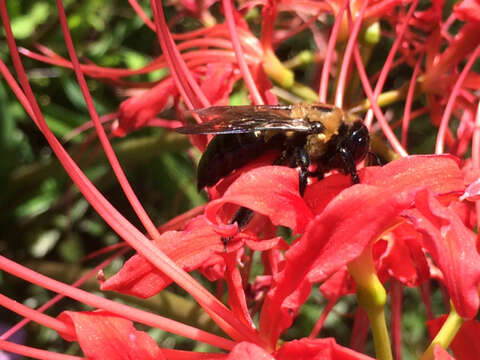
x=92, y=228
x=183, y=177
x=41, y=202
x=134, y=60
x=63, y=120
x=74, y=94
x=239, y=97
x=24, y=26
x=44, y=243
x=71, y=249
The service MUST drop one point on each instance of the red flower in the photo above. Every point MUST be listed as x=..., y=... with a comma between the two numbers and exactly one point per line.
x=331, y=240
x=137, y=111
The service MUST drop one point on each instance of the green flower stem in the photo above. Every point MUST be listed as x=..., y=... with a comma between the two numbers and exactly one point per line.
x=446, y=334
x=380, y=147
x=371, y=34
x=372, y=297
x=273, y=67
x=380, y=334
x=384, y=99
x=390, y=97
x=303, y=58
x=304, y=92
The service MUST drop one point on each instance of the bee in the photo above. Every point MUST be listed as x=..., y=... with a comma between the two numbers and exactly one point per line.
x=304, y=134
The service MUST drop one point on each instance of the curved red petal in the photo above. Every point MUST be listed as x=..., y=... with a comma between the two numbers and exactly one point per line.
x=319, y=194
x=267, y=244
x=138, y=110
x=248, y=351
x=188, y=248
x=217, y=84
x=466, y=344
x=452, y=246
x=340, y=238
x=102, y=335
x=236, y=293
x=268, y=190
x=337, y=285
x=468, y=10
x=317, y=349
x=440, y=353
x=403, y=258
x=439, y=173
x=214, y=267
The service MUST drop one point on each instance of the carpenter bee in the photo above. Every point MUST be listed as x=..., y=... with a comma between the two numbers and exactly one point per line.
x=304, y=134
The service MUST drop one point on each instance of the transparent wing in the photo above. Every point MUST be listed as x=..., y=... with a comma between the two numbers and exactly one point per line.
x=245, y=119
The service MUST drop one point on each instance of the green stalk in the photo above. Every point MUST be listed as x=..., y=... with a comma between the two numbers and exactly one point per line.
x=372, y=297
x=446, y=334
x=305, y=92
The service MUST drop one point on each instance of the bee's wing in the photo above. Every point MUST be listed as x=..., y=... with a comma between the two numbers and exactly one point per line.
x=245, y=119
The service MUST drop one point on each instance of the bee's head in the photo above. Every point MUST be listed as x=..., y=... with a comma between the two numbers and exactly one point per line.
x=357, y=140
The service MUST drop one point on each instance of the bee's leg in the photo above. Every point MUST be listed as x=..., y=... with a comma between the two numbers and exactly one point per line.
x=292, y=156
x=242, y=217
x=302, y=160
x=349, y=165
x=296, y=156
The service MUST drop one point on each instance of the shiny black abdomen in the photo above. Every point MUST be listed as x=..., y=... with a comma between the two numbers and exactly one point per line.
x=229, y=152
x=226, y=153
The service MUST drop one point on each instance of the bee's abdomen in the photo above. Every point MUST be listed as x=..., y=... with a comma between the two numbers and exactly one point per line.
x=226, y=153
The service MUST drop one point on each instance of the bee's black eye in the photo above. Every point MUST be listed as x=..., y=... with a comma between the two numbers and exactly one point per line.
x=317, y=127
x=358, y=140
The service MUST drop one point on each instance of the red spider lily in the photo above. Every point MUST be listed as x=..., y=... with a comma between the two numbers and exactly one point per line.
x=407, y=221
x=325, y=248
